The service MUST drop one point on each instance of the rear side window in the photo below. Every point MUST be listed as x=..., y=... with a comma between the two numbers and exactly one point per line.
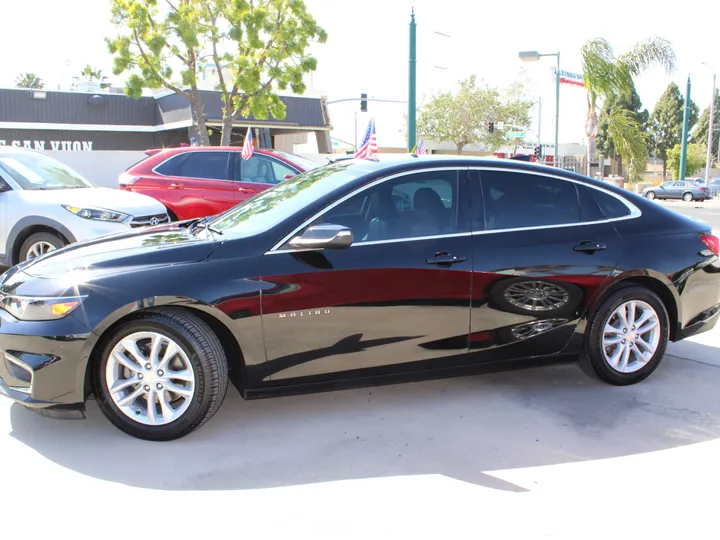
x=208, y=165
x=612, y=207
x=516, y=200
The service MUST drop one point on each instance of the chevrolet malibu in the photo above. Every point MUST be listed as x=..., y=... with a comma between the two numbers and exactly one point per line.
x=359, y=272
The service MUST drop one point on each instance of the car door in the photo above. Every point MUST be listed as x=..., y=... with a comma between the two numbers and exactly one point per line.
x=541, y=249
x=200, y=183
x=396, y=300
x=258, y=173
x=677, y=189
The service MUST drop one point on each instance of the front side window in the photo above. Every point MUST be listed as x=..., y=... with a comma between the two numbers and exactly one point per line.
x=680, y=184
x=413, y=206
x=33, y=170
x=518, y=200
x=262, y=170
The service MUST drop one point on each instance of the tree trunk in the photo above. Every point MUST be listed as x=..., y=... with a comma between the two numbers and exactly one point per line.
x=197, y=106
x=591, y=130
x=664, y=169
x=459, y=148
x=591, y=154
x=227, y=128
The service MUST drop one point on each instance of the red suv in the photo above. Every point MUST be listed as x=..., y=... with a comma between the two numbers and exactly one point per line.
x=203, y=181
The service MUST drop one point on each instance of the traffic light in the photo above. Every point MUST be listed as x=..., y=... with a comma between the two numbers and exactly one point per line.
x=538, y=153
x=491, y=127
x=363, y=102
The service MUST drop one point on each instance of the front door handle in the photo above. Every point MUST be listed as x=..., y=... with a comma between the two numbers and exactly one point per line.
x=589, y=246
x=444, y=259
x=247, y=190
x=177, y=186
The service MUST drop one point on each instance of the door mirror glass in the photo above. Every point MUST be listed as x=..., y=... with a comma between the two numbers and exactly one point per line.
x=326, y=236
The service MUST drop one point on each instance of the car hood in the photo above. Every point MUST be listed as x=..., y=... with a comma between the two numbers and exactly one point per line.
x=126, y=202
x=168, y=244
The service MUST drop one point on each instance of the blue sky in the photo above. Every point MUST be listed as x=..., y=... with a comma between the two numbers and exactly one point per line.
x=367, y=49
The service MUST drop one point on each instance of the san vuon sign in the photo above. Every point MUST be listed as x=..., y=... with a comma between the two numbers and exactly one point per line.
x=66, y=146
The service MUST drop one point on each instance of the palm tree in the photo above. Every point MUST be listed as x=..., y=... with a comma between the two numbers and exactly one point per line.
x=90, y=73
x=607, y=77
x=29, y=80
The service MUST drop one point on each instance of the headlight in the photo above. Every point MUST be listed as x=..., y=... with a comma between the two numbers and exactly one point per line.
x=96, y=214
x=27, y=308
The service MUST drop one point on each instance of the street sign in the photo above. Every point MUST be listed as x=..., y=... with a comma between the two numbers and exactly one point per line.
x=515, y=134
x=501, y=125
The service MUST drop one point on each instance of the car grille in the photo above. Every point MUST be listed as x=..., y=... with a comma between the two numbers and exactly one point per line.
x=147, y=221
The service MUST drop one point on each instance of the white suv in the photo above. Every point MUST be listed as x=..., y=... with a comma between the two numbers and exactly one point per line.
x=45, y=205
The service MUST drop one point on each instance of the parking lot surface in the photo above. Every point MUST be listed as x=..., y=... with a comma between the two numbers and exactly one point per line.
x=541, y=453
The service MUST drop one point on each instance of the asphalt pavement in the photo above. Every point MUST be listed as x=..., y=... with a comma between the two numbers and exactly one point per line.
x=708, y=211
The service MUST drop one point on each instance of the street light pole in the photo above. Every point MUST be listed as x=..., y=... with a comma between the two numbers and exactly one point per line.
x=412, y=127
x=534, y=56
x=684, y=141
x=708, y=158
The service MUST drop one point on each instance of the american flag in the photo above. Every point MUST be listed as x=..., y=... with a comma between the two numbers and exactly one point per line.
x=421, y=150
x=247, y=148
x=369, y=142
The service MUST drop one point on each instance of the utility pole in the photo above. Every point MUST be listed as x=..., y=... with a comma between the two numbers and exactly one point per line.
x=684, y=142
x=708, y=160
x=557, y=113
x=412, y=126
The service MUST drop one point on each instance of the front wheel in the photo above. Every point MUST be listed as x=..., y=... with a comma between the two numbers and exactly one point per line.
x=39, y=244
x=626, y=337
x=650, y=195
x=687, y=197
x=161, y=375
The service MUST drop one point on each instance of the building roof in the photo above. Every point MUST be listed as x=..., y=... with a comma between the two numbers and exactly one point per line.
x=48, y=109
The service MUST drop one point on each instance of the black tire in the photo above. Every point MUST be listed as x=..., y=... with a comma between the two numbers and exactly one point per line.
x=204, y=351
x=650, y=195
x=592, y=360
x=687, y=197
x=46, y=237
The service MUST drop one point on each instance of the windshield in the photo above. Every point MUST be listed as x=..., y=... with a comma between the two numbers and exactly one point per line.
x=270, y=208
x=305, y=163
x=37, y=171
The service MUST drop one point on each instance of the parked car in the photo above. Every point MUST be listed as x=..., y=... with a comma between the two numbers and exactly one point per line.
x=194, y=182
x=45, y=205
x=677, y=189
x=714, y=185
x=353, y=273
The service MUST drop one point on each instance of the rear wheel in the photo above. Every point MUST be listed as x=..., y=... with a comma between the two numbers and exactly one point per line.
x=39, y=244
x=162, y=375
x=626, y=337
x=650, y=195
x=687, y=197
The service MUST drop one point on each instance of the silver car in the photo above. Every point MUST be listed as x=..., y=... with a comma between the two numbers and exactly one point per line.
x=677, y=189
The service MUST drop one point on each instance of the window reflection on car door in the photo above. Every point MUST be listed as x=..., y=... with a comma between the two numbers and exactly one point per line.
x=258, y=173
x=395, y=300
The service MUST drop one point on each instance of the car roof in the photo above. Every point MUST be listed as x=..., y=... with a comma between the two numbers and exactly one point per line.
x=8, y=150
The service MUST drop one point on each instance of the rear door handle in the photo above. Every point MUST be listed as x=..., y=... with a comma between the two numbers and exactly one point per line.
x=247, y=190
x=444, y=259
x=589, y=246
x=177, y=186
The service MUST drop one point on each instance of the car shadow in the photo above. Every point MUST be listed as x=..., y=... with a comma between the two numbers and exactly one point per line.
x=463, y=428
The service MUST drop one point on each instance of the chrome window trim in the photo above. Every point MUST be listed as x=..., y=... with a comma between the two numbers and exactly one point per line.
x=231, y=152
x=635, y=212
x=282, y=242
x=376, y=242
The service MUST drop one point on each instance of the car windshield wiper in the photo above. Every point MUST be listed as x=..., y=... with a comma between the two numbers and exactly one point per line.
x=203, y=224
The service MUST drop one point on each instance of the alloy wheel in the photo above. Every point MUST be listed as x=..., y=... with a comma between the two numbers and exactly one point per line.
x=39, y=248
x=150, y=378
x=631, y=336
x=650, y=195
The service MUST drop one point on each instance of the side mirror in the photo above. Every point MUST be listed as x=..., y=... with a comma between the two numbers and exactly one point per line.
x=288, y=176
x=323, y=237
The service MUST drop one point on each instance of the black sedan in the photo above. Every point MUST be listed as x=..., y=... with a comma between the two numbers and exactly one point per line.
x=355, y=273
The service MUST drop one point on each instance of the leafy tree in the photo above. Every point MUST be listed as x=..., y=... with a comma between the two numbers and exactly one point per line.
x=695, y=158
x=629, y=101
x=607, y=76
x=462, y=118
x=90, y=73
x=29, y=80
x=257, y=47
x=700, y=134
x=666, y=123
